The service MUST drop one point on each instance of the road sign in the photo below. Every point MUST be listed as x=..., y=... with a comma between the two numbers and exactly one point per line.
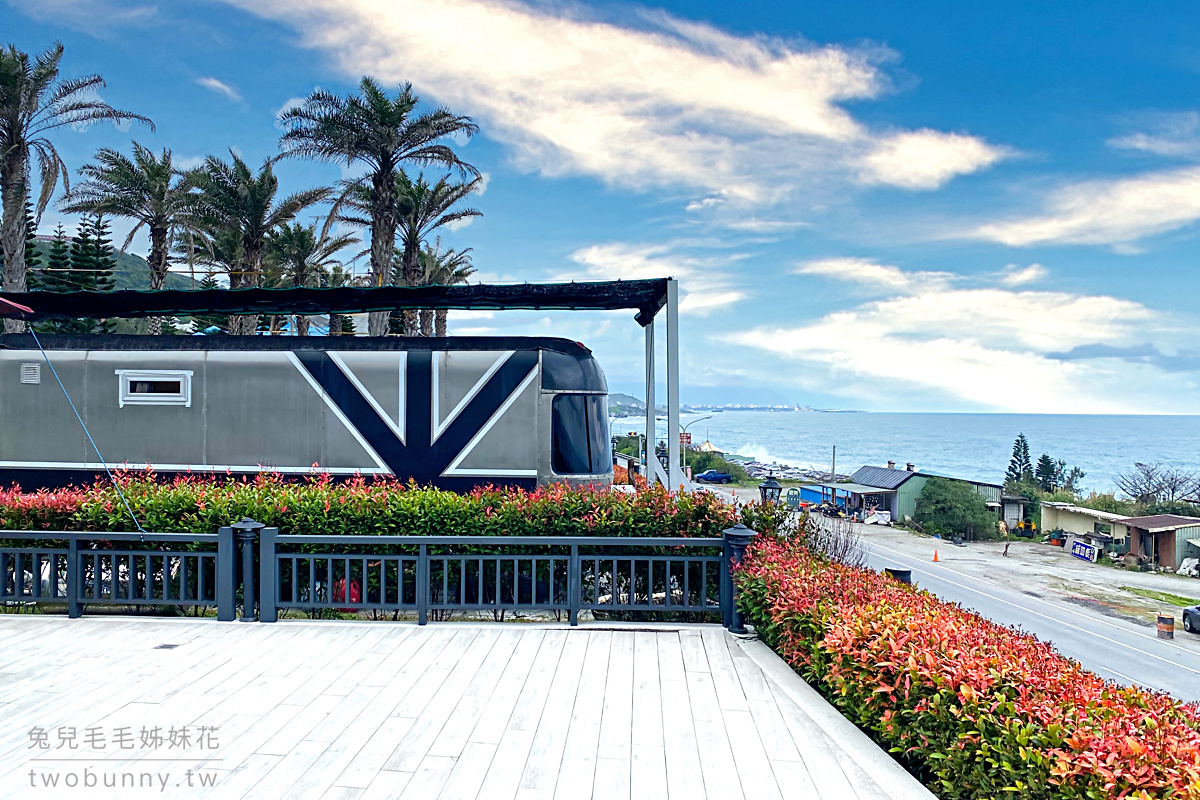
x=685, y=439
x=1088, y=552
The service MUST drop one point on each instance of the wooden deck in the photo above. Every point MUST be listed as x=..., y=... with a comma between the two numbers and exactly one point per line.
x=451, y=710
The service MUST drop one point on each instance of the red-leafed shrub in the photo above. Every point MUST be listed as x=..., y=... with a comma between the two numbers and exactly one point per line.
x=40, y=510
x=319, y=505
x=974, y=709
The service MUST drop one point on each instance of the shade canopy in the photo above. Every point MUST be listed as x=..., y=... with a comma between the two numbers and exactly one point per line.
x=644, y=296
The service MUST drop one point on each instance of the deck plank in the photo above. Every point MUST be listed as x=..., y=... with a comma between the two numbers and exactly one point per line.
x=545, y=754
x=577, y=768
x=685, y=777
x=457, y=711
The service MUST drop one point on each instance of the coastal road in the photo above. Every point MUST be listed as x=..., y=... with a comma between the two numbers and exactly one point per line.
x=1114, y=649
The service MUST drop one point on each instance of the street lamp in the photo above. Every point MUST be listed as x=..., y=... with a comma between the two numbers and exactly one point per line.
x=770, y=489
x=682, y=446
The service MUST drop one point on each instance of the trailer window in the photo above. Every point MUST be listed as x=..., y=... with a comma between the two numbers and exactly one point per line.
x=155, y=387
x=579, y=438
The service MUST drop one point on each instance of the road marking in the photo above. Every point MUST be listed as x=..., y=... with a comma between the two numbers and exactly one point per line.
x=1132, y=681
x=1046, y=616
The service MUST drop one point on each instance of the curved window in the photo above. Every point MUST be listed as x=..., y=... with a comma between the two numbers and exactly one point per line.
x=571, y=373
x=579, y=443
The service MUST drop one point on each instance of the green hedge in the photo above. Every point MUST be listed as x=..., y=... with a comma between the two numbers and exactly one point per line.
x=320, y=505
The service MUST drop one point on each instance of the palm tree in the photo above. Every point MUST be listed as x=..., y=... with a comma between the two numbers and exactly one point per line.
x=235, y=200
x=147, y=189
x=305, y=254
x=422, y=209
x=384, y=133
x=443, y=268
x=33, y=103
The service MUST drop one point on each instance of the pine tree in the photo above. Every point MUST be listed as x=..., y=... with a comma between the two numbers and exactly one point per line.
x=104, y=262
x=210, y=323
x=58, y=262
x=1046, y=473
x=53, y=277
x=83, y=257
x=105, y=257
x=1020, y=468
x=32, y=258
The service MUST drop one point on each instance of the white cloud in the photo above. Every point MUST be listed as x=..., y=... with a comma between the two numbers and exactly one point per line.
x=187, y=162
x=973, y=346
x=926, y=159
x=868, y=273
x=219, y=87
x=290, y=103
x=1108, y=211
x=1014, y=275
x=90, y=16
x=1172, y=134
x=706, y=288
x=667, y=103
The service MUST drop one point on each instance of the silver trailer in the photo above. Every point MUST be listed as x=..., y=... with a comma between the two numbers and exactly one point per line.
x=453, y=412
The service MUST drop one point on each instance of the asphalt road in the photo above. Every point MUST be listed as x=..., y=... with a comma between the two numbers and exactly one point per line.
x=1115, y=650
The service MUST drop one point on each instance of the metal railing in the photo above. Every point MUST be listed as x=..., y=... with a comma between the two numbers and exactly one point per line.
x=568, y=574
x=417, y=574
x=93, y=569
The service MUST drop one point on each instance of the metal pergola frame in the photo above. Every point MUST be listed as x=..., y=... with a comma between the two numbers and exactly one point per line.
x=646, y=297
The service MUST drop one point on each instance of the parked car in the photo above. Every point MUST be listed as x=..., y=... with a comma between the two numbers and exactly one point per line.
x=1191, y=619
x=712, y=476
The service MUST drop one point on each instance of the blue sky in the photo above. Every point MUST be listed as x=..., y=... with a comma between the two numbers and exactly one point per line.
x=924, y=206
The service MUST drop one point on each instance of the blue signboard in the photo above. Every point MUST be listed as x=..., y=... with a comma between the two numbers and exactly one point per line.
x=1088, y=552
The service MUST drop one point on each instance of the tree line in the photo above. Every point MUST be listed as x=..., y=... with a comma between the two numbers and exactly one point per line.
x=1147, y=488
x=229, y=218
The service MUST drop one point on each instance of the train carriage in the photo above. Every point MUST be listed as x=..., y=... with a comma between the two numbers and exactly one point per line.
x=454, y=412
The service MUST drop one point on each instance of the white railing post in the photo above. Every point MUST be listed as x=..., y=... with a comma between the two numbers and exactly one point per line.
x=651, y=460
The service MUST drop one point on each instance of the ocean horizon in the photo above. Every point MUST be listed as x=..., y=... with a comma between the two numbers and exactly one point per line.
x=977, y=446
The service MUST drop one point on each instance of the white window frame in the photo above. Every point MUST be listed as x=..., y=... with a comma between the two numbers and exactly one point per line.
x=126, y=397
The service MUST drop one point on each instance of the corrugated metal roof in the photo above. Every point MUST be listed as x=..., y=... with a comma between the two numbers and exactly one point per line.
x=1162, y=522
x=881, y=477
x=1087, y=512
x=855, y=488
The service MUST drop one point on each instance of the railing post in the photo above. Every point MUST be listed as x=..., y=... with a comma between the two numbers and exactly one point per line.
x=725, y=583
x=74, y=584
x=225, y=569
x=423, y=584
x=736, y=539
x=247, y=535
x=268, y=567
x=574, y=578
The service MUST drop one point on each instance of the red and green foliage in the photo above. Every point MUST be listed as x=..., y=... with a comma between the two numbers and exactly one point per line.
x=320, y=505
x=40, y=510
x=975, y=709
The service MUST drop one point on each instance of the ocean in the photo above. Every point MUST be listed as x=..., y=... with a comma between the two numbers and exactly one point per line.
x=975, y=446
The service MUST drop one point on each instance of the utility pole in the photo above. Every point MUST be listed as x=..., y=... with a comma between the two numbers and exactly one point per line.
x=833, y=466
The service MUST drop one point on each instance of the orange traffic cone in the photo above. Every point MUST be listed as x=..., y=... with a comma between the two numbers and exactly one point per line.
x=935, y=558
